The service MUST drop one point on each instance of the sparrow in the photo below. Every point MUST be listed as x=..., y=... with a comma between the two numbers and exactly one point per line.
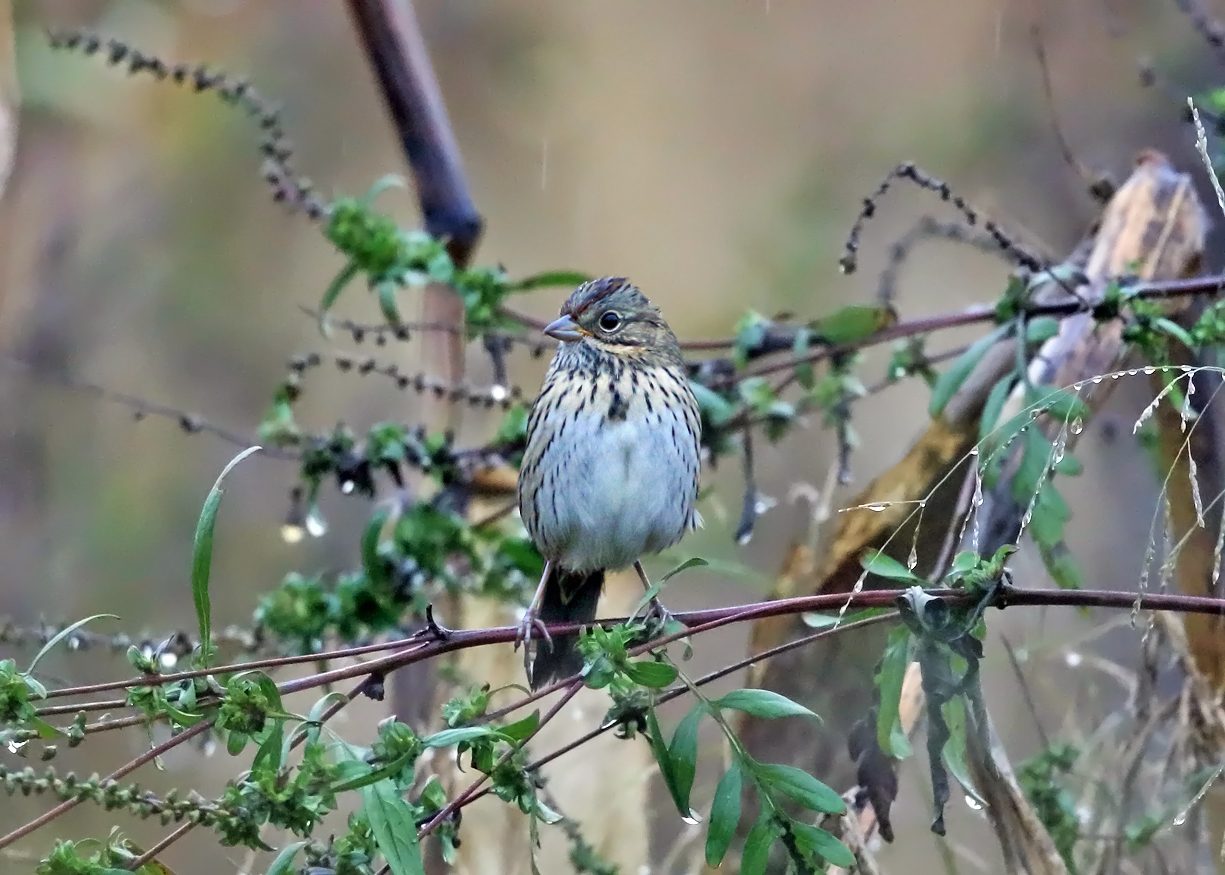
x=611, y=468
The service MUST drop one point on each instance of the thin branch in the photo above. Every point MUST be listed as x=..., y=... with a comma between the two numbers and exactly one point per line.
x=189, y=423
x=1213, y=284
x=471, y=792
x=698, y=622
x=273, y=662
x=66, y=806
x=676, y=692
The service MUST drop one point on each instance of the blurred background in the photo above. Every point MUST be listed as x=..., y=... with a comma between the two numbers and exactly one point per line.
x=714, y=152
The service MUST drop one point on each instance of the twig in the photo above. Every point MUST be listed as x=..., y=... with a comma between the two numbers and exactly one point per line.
x=1212, y=284
x=66, y=806
x=676, y=692
x=188, y=422
x=470, y=793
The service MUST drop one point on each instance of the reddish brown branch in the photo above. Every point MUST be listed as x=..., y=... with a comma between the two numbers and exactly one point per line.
x=392, y=40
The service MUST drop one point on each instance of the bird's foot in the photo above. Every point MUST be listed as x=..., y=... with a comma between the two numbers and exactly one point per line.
x=530, y=623
x=658, y=619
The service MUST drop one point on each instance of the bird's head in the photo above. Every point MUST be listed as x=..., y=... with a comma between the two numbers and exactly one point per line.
x=612, y=315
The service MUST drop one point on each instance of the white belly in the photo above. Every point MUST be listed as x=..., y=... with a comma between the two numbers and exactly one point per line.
x=616, y=490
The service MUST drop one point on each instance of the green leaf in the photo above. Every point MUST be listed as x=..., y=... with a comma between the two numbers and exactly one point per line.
x=959, y=371
x=713, y=406
x=876, y=562
x=235, y=743
x=683, y=755
x=889, y=733
x=1174, y=330
x=995, y=405
x=384, y=183
x=750, y=330
x=550, y=279
x=966, y=560
x=448, y=737
x=1041, y=329
x=654, y=590
x=43, y=728
x=1061, y=565
x=282, y=864
x=853, y=323
x=799, y=349
x=522, y=728
x=387, y=302
x=360, y=780
x=757, y=844
x=346, y=275
x=372, y=562
x=1050, y=514
x=954, y=753
x=797, y=784
x=61, y=635
x=1068, y=466
x=817, y=841
x=660, y=750
x=765, y=704
x=1036, y=455
x=649, y=673
x=395, y=831
x=269, y=755
x=202, y=558
x=694, y=562
x=724, y=816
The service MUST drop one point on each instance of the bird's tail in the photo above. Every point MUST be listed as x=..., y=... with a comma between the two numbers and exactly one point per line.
x=568, y=598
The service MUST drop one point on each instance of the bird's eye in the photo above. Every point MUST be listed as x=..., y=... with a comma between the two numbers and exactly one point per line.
x=609, y=321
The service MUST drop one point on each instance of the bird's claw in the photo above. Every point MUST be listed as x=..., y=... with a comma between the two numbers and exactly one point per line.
x=657, y=617
x=529, y=622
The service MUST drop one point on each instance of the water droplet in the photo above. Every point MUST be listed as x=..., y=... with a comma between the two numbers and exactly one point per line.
x=876, y=508
x=1072, y=659
x=974, y=451
x=1097, y=379
x=498, y=393
x=1180, y=820
x=1115, y=375
x=973, y=804
x=913, y=559
x=764, y=503
x=1150, y=370
x=347, y=487
x=316, y=525
x=693, y=819
x=292, y=533
x=1133, y=372
x=1076, y=426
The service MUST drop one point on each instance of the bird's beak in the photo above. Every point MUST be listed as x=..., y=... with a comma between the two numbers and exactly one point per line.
x=566, y=329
